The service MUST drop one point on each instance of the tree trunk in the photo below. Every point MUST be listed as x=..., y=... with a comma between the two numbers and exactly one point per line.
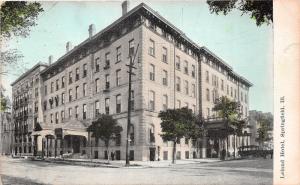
x=174, y=152
x=234, y=139
x=107, y=149
x=227, y=146
x=107, y=154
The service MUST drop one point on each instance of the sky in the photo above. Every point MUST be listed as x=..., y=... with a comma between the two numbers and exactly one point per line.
x=234, y=38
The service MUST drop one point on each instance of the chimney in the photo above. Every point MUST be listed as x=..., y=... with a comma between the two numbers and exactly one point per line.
x=125, y=7
x=92, y=30
x=68, y=46
x=50, y=59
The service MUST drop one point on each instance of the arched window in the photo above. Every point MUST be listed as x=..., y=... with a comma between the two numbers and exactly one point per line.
x=151, y=134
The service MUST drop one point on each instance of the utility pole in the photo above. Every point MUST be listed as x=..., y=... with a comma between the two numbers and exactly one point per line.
x=131, y=63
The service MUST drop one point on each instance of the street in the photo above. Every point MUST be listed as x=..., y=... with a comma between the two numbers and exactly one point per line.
x=246, y=172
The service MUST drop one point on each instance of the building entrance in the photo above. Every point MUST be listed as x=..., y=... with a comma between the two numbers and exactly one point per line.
x=152, y=154
x=76, y=144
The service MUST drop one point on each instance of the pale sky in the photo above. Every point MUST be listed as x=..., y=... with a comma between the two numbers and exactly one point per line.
x=234, y=38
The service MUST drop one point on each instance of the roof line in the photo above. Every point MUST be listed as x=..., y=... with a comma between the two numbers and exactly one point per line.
x=29, y=71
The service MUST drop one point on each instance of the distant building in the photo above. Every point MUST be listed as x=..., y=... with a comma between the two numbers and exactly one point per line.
x=254, y=117
x=5, y=126
x=55, y=103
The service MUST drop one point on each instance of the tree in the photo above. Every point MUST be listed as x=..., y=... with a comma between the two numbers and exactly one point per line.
x=176, y=124
x=229, y=111
x=17, y=17
x=261, y=11
x=262, y=131
x=106, y=128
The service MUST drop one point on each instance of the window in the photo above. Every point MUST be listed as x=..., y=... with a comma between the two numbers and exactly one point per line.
x=186, y=105
x=186, y=67
x=70, y=95
x=70, y=77
x=51, y=118
x=62, y=98
x=208, y=112
x=77, y=74
x=62, y=82
x=246, y=98
x=84, y=89
x=118, y=50
x=131, y=48
x=213, y=95
x=56, y=117
x=76, y=111
x=107, y=79
x=118, y=77
x=151, y=134
x=234, y=93
x=178, y=81
x=207, y=94
x=178, y=155
x=152, y=101
x=97, y=108
x=45, y=90
x=227, y=89
x=132, y=100
x=118, y=139
x=62, y=115
x=84, y=111
x=70, y=112
x=231, y=92
x=57, y=85
x=186, y=141
x=152, y=72
x=165, y=78
x=242, y=97
x=178, y=104
x=106, y=105
x=56, y=100
x=177, y=62
x=242, y=110
x=164, y=55
x=193, y=71
x=51, y=90
x=186, y=87
x=222, y=84
x=193, y=90
x=97, y=64
x=45, y=105
x=107, y=61
x=118, y=103
x=194, y=108
x=84, y=70
x=152, y=47
x=76, y=92
x=207, y=76
x=165, y=102
x=97, y=85
x=36, y=92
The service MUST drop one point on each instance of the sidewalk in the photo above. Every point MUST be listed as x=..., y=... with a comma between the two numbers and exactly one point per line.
x=121, y=163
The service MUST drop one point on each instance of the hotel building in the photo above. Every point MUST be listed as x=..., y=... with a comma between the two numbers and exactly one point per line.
x=171, y=71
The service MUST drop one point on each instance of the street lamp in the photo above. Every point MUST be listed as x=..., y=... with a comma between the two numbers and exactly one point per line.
x=131, y=63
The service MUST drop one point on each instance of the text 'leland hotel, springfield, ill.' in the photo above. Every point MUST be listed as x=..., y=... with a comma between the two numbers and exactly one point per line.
x=54, y=103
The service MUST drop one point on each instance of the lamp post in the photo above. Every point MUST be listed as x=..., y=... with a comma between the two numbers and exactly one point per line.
x=131, y=63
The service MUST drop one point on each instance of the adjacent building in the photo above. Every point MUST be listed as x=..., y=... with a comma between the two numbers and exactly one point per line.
x=5, y=124
x=255, y=123
x=54, y=103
